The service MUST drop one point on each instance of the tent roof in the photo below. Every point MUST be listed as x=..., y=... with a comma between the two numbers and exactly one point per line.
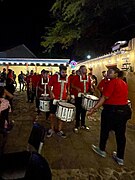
x=34, y=61
x=20, y=51
x=21, y=55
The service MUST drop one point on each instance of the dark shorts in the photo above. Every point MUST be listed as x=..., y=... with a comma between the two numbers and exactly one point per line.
x=53, y=108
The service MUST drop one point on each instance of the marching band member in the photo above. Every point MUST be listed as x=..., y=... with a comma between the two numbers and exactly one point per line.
x=81, y=84
x=58, y=87
x=114, y=115
x=40, y=89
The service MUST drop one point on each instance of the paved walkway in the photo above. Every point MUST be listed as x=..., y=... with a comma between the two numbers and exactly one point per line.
x=72, y=158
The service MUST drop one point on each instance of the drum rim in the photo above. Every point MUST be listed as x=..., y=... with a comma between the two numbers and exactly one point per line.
x=44, y=99
x=72, y=106
x=89, y=95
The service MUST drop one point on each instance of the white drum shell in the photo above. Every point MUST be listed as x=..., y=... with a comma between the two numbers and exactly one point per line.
x=44, y=105
x=65, y=113
x=89, y=101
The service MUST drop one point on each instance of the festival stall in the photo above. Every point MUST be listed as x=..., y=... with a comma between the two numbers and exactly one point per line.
x=35, y=64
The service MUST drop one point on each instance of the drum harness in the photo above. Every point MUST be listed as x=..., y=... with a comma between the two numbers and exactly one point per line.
x=62, y=85
x=84, y=82
x=45, y=84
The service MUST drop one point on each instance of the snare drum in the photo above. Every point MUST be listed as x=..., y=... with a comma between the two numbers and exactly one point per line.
x=89, y=101
x=65, y=111
x=44, y=104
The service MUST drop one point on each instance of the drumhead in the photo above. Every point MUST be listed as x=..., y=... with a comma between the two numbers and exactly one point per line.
x=68, y=105
x=44, y=98
x=92, y=97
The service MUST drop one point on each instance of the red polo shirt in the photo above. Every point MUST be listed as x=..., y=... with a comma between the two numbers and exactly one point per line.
x=27, y=79
x=70, y=78
x=57, y=86
x=102, y=84
x=35, y=79
x=117, y=92
x=76, y=81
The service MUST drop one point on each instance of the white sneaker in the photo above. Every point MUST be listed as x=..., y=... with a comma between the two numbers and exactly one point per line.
x=85, y=128
x=50, y=133
x=76, y=130
x=97, y=150
x=36, y=109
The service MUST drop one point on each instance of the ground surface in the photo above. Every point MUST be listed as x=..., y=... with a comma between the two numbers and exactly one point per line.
x=71, y=158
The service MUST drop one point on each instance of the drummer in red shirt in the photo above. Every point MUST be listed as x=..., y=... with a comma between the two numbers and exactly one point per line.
x=58, y=89
x=81, y=84
x=40, y=87
x=115, y=114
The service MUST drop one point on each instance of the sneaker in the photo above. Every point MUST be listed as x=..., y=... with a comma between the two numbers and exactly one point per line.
x=36, y=109
x=36, y=118
x=98, y=151
x=118, y=160
x=85, y=128
x=76, y=130
x=61, y=134
x=50, y=132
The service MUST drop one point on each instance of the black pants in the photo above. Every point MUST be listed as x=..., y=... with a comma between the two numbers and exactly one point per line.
x=114, y=118
x=80, y=112
x=31, y=94
x=21, y=84
x=4, y=115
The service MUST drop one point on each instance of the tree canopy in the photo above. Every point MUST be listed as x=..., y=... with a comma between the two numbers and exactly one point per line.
x=82, y=26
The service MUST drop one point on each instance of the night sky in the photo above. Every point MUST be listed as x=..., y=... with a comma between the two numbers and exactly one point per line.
x=23, y=23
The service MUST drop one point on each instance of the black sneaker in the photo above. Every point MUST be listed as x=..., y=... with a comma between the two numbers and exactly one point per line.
x=61, y=134
x=50, y=133
x=118, y=160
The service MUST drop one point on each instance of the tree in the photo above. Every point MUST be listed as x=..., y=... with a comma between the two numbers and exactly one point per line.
x=87, y=25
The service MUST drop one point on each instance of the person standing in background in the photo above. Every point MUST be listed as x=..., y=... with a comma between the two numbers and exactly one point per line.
x=102, y=83
x=21, y=81
x=10, y=85
x=3, y=77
